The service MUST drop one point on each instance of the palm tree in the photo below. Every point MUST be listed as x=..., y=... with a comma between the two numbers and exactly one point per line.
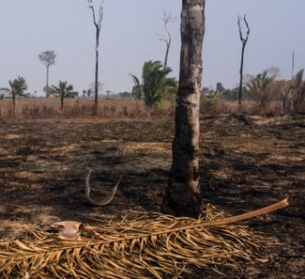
x=296, y=92
x=262, y=88
x=63, y=91
x=155, y=83
x=17, y=88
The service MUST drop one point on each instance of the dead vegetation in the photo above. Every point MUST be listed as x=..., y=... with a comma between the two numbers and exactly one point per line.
x=154, y=246
x=247, y=162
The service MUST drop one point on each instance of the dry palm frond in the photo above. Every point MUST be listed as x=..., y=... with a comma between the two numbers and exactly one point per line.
x=263, y=88
x=297, y=91
x=155, y=246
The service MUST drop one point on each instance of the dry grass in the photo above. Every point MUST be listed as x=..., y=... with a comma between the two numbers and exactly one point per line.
x=42, y=108
x=120, y=108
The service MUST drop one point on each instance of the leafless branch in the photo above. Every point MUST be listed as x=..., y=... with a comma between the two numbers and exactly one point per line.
x=97, y=22
x=243, y=40
x=167, y=19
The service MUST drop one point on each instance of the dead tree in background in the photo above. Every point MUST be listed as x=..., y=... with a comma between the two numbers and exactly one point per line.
x=167, y=19
x=98, y=24
x=183, y=194
x=48, y=59
x=244, y=42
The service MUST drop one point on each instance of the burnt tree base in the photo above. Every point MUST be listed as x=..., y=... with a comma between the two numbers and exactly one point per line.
x=179, y=200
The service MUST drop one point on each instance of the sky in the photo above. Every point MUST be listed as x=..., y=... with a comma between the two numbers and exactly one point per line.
x=130, y=35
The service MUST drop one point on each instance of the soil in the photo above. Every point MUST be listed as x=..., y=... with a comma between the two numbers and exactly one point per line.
x=247, y=162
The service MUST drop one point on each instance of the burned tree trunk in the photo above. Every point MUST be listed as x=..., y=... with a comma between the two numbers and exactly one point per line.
x=183, y=195
x=98, y=24
x=244, y=41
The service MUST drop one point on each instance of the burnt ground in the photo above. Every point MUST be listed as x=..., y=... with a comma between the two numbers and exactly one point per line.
x=247, y=162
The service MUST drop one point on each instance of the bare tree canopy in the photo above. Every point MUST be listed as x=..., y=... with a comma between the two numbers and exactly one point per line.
x=47, y=57
x=244, y=41
x=167, y=19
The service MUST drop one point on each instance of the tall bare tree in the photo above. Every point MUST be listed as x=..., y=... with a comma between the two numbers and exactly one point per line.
x=97, y=21
x=183, y=195
x=48, y=59
x=167, y=19
x=244, y=41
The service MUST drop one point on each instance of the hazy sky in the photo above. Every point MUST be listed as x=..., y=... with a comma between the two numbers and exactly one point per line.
x=130, y=36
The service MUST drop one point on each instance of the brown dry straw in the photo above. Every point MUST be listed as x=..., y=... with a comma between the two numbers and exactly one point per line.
x=154, y=246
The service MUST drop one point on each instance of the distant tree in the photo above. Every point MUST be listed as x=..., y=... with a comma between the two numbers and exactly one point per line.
x=108, y=93
x=92, y=88
x=125, y=94
x=48, y=59
x=232, y=94
x=205, y=90
x=63, y=90
x=98, y=24
x=89, y=92
x=17, y=88
x=155, y=83
x=219, y=87
x=244, y=41
x=183, y=194
x=167, y=39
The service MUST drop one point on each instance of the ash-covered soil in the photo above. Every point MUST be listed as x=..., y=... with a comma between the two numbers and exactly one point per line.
x=247, y=162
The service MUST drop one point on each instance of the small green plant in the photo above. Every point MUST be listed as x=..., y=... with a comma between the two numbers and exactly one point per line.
x=209, y=101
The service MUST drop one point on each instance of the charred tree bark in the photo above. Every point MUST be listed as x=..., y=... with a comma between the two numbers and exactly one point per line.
x=97, y=36
x=62, y=101
x=183, y=195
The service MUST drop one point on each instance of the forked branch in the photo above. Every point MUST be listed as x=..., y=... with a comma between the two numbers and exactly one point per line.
x=167, y=19
x=244, y=41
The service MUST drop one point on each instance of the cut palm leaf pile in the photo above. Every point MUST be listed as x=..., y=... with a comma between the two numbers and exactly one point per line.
x=154, y=246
